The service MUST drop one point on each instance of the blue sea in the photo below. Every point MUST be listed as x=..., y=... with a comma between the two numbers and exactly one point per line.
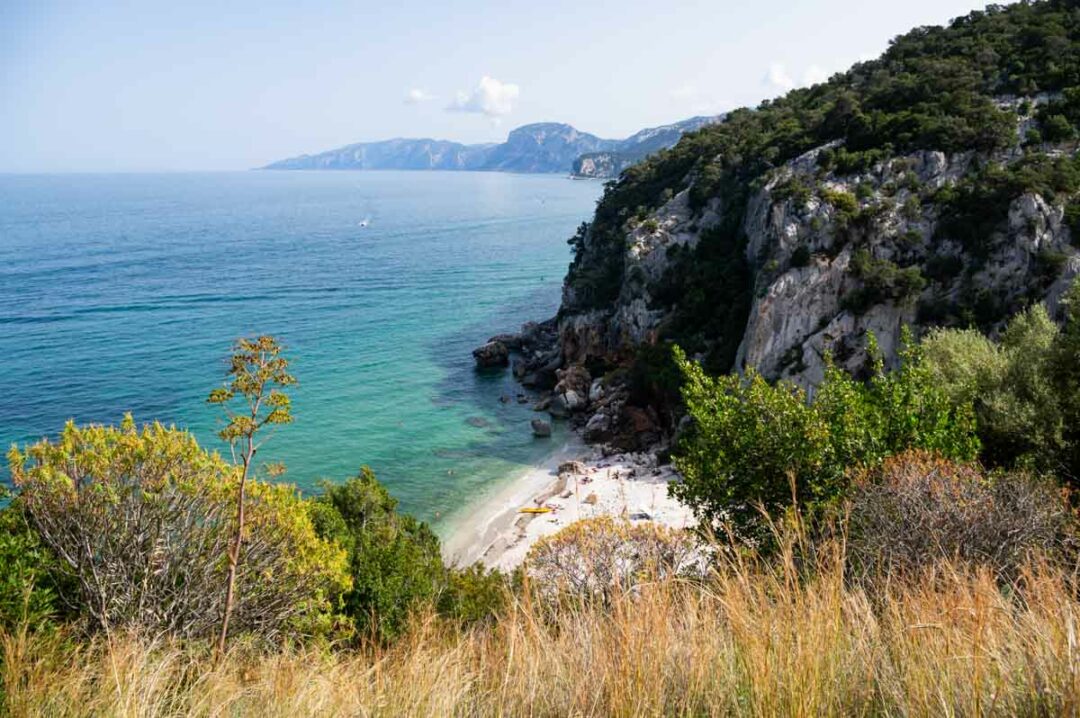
x=124, y=292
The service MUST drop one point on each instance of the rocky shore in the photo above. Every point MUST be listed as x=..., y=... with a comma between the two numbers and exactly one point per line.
x=615, y=463
x=599, y=407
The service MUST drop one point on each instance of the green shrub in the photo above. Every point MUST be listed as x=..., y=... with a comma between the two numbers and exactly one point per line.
x=474, y=594
x=881, y=281
x=845, y=203
x=793, y=189
x=759, y=445
x=394, y=560
x=28, y=572
x=1018, y=405
x=943, y=267
x=1072, y=220
x=912, y=209
x=1057, y=128
x=140, y=521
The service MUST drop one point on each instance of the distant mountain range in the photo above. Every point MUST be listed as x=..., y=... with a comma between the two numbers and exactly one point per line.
x=539, y=147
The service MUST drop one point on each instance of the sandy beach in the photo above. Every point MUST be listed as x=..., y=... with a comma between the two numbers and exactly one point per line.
x=589, y=484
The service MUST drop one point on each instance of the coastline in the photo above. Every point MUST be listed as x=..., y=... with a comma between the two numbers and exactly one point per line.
x=576, y=481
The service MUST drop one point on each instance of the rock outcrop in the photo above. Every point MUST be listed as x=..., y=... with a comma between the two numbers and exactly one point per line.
x=829, y=258
x=492, y=354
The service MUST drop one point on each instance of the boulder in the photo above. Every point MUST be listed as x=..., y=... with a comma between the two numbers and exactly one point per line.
x=540, y=428
x=510, y=341
x=596, y=390
x=573, y=378
x=558, y=408
x=571, y=467
x=573, y=400
x=492, y=354
x=598, y=428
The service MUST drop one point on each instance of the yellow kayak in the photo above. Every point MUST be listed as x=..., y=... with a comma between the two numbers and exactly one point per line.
x=537, y=510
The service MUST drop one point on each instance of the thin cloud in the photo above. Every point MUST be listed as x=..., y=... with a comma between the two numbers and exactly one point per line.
x=417, y=95
x=491, y=98
x=779, y=78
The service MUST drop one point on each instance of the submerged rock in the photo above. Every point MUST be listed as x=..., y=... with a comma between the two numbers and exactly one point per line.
x=541, y=428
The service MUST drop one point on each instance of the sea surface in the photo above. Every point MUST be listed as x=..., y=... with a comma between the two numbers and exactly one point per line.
x=124, y=292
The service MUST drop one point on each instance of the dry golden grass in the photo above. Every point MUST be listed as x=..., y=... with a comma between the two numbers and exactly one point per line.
x=753, y=640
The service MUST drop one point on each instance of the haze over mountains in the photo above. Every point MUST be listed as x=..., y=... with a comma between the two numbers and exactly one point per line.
x=544, y=147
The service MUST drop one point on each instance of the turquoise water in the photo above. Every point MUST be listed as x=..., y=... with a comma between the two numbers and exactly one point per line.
x=123, y=293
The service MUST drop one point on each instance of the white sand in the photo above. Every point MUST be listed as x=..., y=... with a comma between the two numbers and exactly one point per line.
x=622, y=485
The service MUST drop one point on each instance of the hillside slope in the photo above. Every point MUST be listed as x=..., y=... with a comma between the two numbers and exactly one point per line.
x=933, y=186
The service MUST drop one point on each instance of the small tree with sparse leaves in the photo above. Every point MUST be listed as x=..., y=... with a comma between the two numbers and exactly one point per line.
x=257, y=377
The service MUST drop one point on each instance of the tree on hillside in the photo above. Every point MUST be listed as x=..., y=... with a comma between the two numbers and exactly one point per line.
x=394, y=559
x=257, y=376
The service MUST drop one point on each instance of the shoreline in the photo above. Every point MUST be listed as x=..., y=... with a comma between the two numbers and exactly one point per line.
x=576, y=481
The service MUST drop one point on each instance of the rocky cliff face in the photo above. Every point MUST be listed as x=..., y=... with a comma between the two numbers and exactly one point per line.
x=938, y=185
x=833, y=293
x=829, y=257
x=831, y=260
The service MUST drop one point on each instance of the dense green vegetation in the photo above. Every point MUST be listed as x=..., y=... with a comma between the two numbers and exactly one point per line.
x=934, y=89
x=393, y=560
x=757, y=446
x=1025, y=388
x=754, y=448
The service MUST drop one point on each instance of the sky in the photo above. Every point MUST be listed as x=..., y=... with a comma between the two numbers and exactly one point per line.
x=113, y=86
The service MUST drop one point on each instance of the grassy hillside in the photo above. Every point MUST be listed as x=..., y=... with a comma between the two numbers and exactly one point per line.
x=753, y=640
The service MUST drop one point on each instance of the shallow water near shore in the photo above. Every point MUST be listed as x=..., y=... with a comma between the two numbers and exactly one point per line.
x=123, y=292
